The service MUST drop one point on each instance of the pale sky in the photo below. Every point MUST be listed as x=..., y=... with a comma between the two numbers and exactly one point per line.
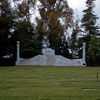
x=79, y=5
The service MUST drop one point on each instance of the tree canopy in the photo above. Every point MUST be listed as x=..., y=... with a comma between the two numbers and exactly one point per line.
x=53, y=15
x=15, y=25
x=6, y=25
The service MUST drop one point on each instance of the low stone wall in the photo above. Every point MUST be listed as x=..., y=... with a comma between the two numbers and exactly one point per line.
x=50, y=60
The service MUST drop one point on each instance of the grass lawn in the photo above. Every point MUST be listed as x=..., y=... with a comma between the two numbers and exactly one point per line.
x=49, y=83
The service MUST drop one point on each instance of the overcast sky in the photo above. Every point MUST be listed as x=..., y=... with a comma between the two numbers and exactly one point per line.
x=79, y=5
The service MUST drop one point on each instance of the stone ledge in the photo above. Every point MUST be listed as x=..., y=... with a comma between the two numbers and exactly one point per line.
x=50, y=60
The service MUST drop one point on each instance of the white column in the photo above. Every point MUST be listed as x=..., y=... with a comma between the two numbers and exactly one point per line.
x=84, y=54
x=18, y=51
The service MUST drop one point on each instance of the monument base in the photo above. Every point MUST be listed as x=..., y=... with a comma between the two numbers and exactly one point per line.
x=50, y=60
x=48, y=51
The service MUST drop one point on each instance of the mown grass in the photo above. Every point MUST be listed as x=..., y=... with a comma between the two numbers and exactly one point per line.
x=49, y=83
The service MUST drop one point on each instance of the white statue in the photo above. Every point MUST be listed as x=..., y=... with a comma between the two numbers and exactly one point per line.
x=46, y=43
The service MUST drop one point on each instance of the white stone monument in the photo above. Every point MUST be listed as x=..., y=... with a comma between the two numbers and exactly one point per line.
x=49, y=58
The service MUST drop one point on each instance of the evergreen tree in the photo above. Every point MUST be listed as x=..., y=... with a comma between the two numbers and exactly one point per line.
x=89, y=24
x=93, y=52
x=30, y=45
x=89, y=21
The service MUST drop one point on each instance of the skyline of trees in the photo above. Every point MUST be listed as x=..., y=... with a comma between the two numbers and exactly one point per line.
x=56, y=18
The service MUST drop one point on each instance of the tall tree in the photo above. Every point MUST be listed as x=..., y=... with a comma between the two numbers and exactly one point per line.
x=24, y=27
x=89, y=20
x=6, y=25
x=53, y=14
x=24, y=30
